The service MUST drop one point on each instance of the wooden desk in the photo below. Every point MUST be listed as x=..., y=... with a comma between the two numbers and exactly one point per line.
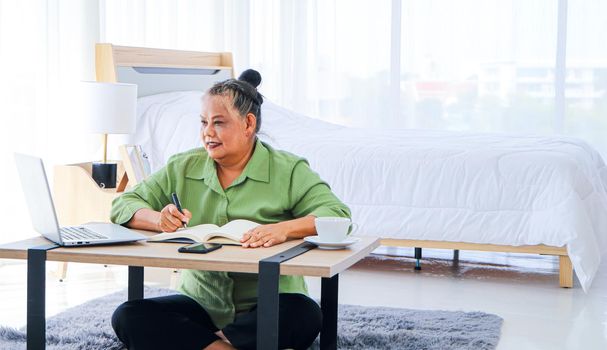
x=326, y=264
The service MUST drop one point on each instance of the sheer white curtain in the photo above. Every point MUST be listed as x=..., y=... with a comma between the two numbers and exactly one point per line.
x=329, y=59
x=483, y=65
x=46, y=48
x=586, y=76
x=207, y=25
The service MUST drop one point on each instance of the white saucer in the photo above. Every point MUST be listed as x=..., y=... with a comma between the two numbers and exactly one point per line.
x=331, y=245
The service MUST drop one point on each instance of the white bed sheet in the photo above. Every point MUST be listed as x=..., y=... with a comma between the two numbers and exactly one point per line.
x=429, y=185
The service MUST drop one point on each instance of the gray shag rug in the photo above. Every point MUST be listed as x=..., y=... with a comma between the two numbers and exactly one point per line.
x=87, y=326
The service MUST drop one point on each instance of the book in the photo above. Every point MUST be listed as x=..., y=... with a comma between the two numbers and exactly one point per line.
x=230, y=233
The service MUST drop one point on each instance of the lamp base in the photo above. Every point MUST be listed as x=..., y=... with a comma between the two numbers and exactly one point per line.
x=104, y=174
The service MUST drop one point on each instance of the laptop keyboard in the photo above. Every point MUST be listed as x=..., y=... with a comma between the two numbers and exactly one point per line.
x=80, y=234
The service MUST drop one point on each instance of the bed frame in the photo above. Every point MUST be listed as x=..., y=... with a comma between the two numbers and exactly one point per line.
x=565, y=266
x=111, y=60
x=159, y=70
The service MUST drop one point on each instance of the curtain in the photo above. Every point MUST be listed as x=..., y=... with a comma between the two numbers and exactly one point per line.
x=46, y=48
x=586, y=74
x=481, y=65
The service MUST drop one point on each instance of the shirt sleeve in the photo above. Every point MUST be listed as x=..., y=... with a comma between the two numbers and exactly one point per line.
x=310, y=195
x=151, y=194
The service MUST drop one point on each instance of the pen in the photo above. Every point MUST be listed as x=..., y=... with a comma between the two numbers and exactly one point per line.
x=178, y=205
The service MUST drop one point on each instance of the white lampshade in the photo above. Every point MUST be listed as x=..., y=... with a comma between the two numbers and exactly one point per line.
x=109, y=108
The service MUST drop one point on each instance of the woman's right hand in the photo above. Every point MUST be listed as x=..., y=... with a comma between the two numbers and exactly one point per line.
x=171, y=219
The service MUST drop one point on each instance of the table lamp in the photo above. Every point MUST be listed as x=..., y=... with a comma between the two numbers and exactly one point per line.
x=110, y=108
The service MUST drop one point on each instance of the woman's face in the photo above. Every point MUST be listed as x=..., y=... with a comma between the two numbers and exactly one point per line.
x=225, y=134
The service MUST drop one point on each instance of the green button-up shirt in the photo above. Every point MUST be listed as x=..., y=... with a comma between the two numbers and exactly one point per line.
x=274, y=186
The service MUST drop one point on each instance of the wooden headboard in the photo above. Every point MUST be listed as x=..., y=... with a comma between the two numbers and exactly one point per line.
x=160, y=70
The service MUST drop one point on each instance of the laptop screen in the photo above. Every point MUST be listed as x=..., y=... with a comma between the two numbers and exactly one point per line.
x=38, y=196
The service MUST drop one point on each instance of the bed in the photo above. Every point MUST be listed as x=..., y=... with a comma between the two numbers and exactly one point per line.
x=412, y=188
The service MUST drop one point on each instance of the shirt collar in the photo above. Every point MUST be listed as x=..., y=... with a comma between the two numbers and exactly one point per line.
x=201, y=167
x=257, y=168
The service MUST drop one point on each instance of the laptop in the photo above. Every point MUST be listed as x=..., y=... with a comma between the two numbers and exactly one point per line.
x=44, y=218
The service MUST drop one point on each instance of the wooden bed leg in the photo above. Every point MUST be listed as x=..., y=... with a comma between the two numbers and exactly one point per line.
x=61, y=271
x=565, y=272
x=174, y=282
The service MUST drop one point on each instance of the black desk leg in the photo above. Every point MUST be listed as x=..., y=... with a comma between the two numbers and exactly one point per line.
x=135, y=282
x=328, y=305
x=267, y=305
x=268, y=298
x=36, y=284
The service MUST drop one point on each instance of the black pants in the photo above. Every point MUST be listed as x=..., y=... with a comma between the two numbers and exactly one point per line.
x=178, y=322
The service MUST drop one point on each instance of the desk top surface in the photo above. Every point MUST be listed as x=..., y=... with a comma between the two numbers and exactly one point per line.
x=316, y=262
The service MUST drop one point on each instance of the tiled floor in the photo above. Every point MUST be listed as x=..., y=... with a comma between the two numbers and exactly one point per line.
x=522, y=289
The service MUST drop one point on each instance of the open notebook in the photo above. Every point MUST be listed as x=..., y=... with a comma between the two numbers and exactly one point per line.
x=230, y=233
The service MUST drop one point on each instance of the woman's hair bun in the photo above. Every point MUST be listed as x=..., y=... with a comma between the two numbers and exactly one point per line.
x=251, y=76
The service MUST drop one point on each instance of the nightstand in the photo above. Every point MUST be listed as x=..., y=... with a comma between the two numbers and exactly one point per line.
x=78, y=199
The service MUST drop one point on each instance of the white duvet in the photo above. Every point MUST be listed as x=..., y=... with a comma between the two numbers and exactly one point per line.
x=430, y=185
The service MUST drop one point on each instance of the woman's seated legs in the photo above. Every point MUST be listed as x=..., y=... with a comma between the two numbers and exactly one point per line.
x=300, y=321
x=170, y=322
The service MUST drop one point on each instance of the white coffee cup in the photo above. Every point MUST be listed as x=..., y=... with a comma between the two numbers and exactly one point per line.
x=333, y=229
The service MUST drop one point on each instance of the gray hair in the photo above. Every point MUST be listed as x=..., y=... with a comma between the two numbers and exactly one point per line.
x=245, y=97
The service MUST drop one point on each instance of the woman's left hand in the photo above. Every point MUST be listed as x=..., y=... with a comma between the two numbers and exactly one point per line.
x=264, y=236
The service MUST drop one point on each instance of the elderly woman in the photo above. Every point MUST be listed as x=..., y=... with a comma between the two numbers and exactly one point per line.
x=235, y=176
